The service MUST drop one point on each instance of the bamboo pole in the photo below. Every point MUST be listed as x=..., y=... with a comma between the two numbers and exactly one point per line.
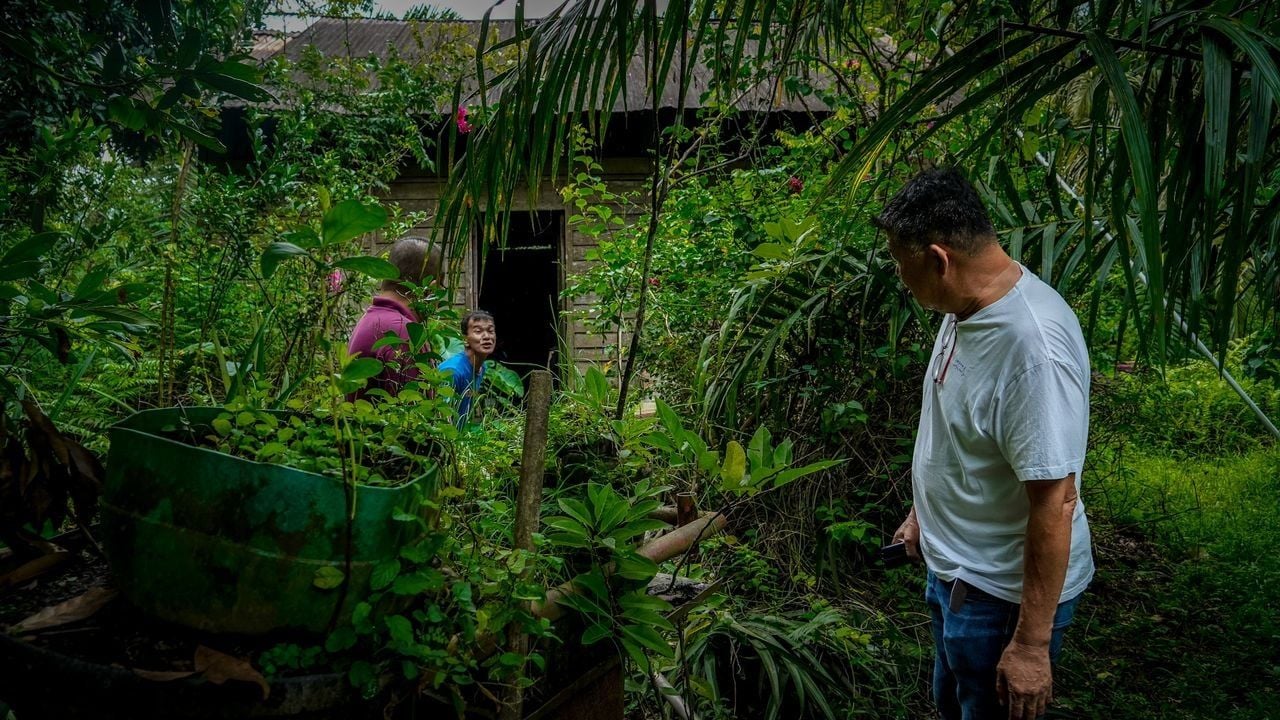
x=677, y=542
x=659, y=550
x=528, y=509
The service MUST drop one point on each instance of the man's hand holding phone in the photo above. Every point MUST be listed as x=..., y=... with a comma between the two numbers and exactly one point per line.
x=908, y=535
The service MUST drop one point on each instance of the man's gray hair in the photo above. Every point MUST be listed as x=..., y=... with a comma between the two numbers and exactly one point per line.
x=417, y=259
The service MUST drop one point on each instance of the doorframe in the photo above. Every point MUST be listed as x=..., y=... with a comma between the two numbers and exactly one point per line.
x=564, y=342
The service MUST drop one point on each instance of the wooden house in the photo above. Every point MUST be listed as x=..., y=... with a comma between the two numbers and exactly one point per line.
x=521, y=283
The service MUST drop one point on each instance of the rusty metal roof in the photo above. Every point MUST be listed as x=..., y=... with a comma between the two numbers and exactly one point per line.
x=357, y=38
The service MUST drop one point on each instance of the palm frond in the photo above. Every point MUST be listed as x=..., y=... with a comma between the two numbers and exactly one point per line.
x=1179, y=182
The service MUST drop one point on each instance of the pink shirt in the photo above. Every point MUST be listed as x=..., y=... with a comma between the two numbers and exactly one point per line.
x=386, y=315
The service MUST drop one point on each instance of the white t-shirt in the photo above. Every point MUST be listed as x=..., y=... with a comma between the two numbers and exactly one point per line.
x=1013, y=406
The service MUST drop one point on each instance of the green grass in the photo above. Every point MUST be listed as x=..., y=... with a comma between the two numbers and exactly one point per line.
x=1183, y=618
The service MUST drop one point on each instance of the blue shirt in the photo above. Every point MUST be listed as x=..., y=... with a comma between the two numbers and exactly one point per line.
x=466, y=382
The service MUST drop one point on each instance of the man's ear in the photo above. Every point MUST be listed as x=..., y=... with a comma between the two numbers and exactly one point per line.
x=940, y=258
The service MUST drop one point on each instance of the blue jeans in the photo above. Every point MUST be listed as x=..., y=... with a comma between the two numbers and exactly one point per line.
x=969, y=643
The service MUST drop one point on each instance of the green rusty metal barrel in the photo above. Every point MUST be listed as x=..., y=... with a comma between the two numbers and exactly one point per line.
x=224, y=544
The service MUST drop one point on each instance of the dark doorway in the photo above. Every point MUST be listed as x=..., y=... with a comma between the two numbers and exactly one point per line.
x=520, y=286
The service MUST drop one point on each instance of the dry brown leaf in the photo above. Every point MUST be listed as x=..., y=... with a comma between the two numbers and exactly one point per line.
x=219, y=667
x=162, y=675
x=33, y=568
x=67, y=611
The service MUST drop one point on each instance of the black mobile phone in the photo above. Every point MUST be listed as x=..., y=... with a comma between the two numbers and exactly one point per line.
x=894, y=555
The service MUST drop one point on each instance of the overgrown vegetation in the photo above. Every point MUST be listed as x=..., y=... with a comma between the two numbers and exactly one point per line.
x=140, y=266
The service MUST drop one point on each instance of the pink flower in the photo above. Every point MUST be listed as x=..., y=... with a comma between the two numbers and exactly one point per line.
x=464, y=127
x=655, y=282
x=335, y=281
x=795, y=184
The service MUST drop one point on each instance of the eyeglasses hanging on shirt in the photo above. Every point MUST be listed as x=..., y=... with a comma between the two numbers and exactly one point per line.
x=947, y=351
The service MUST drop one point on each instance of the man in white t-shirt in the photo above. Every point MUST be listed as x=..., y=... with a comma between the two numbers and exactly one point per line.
x=995, y=477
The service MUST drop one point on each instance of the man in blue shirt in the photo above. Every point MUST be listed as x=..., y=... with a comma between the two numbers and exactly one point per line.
x=467, y=367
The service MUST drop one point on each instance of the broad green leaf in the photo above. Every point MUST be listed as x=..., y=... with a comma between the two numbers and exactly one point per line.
x=351, y=219
x=277, y=252
x=585, y=605
x=636, y=567
x=400, y=629
x=597, y=386
x=391, y=339
x=663, y=442
x=782, y=453
x=759, y=449
x=374, y=267
x=328, y=577
x=360, y=616
x=611, y=509
x=270, y=450
x=734, y=470
x=709, y=461
x=695, y=444
x=19, y=270
x=636, y=528
x=340, y=639
x=576, y=510
x=425, y=580
x=787, y=476
x=504, y=378
x=361, y=674
x=199, y=137
x=23, y=260
x=233, y=86
x=462, y=592
x=649, y=639
x=416, y=553
x=772, y=251
x=384, y=573
x=569, y=539
x=636, y=651
x=566, y=525
x=640, y=600
x=361, y=369
x=669, y=419
x=302, y=237
x=647, y=617
x=129, y=112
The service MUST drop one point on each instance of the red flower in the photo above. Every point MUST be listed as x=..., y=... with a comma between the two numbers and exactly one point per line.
x=795, y=184
x=655, y=282
x=464, y=127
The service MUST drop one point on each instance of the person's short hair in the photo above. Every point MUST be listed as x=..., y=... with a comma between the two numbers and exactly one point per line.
x=473, y=316
x=417, y=259
x=937, y=206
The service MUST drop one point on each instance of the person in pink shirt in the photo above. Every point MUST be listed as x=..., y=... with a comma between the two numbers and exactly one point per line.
x=419, y=262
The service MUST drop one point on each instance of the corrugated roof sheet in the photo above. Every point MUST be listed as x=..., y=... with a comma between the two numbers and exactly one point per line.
x=266, y=43
x=334, y=37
